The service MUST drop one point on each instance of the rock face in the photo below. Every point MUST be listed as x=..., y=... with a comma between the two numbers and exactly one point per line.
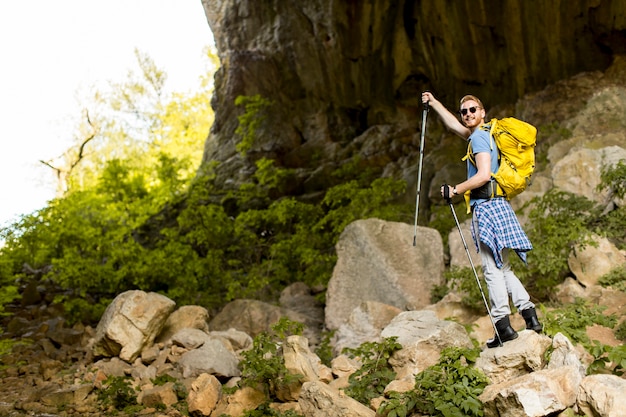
x=331, y=71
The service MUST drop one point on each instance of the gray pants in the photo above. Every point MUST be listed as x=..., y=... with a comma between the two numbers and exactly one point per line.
x=501, y=284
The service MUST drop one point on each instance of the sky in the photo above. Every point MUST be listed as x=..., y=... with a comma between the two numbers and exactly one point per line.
x=50, y=51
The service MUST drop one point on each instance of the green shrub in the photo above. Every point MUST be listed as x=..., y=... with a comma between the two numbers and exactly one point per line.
x=620, y=331
x=607, y=359
x=202, y=249
x=324, y=351
x=613, y=178
x=616, y=278
x=78, y=309
x=256, y=111
x=558, y=221
x=449, y=388
x=464, y=282
x=573, y=319
x=612, y=223
x=263, y=366
x=8, y=294
x=441, y=219
x=264, y=410
x=118, y=392
x=370, y=380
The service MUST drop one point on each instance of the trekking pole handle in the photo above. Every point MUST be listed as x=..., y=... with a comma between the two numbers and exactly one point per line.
x=446, y=193
x=426, y=106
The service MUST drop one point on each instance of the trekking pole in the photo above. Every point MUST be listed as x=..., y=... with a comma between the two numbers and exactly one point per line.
x=446, y=195
x=419, y=171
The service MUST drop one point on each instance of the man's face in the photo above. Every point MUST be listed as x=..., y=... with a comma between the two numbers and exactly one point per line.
x=472, y=114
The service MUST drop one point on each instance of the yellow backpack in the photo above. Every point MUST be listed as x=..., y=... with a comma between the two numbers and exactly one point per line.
x=516, y=141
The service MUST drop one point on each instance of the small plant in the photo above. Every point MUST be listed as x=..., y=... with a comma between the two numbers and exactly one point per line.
x=324, y=351
x=264, y=410
x=620, y=331
x=573, y=319
x=613, y=178
x=118, y=392
x=263, y=366
x=558, y=222
x=616, y=278
x=80, y=308
x=463, y=280
x=8, y=294
x=256, y=109
x=607, y=359
x=370, y=380
x=612, y=223
x=449, y=388
x=179, y=388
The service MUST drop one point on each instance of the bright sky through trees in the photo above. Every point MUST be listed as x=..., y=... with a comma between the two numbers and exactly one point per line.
x=51, y=50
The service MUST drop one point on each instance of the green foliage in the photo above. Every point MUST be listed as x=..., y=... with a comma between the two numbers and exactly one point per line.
x=179, y=387
x=573, y=319
x=617, y=356
x=370, y=380
x=263, y=366
x=550, y=134
x=616, y=278
x=256, y=110
x=325, y=351
x=7, y=345
x=449, y=388
x=438, y=292
x=558, y=222
x=353, y=200
x=613, y=178
x=264, y=410
x=442, y=220
x=620, y=331
x=136, y=216
x=81, y=310
x=607, y=359
x=463, y=281
x=612, y=224
x=118, y=392
x=8, y=293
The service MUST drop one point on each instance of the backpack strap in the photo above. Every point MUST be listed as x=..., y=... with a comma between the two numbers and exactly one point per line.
x=490, y=127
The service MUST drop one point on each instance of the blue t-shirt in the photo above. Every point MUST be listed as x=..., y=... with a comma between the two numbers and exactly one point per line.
x=480, y=140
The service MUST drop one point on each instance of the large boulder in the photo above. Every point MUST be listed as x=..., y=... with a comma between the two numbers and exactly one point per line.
x=376, y=261
x=537, y=394
x=423, y=336
x=602, y=395
x=130, y=323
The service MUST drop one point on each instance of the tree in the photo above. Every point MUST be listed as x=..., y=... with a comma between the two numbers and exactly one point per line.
x=138, y=121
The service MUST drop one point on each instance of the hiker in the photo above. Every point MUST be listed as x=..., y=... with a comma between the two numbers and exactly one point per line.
x=495, y=228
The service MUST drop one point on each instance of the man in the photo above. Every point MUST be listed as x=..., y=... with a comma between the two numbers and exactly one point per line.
x=495, y=227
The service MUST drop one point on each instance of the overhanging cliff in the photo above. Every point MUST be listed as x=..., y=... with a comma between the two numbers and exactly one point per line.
x=334, y=69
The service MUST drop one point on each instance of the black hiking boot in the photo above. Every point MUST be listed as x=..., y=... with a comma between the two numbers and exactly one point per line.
x=506, y=332
x=532, y=322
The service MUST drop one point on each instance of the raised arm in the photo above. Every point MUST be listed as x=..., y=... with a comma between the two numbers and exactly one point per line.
x=451, y=122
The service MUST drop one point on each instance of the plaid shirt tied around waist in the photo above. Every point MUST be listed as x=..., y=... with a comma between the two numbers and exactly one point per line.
x=498, y=228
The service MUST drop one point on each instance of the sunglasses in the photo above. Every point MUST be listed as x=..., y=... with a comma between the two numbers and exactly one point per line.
x=471, y=110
